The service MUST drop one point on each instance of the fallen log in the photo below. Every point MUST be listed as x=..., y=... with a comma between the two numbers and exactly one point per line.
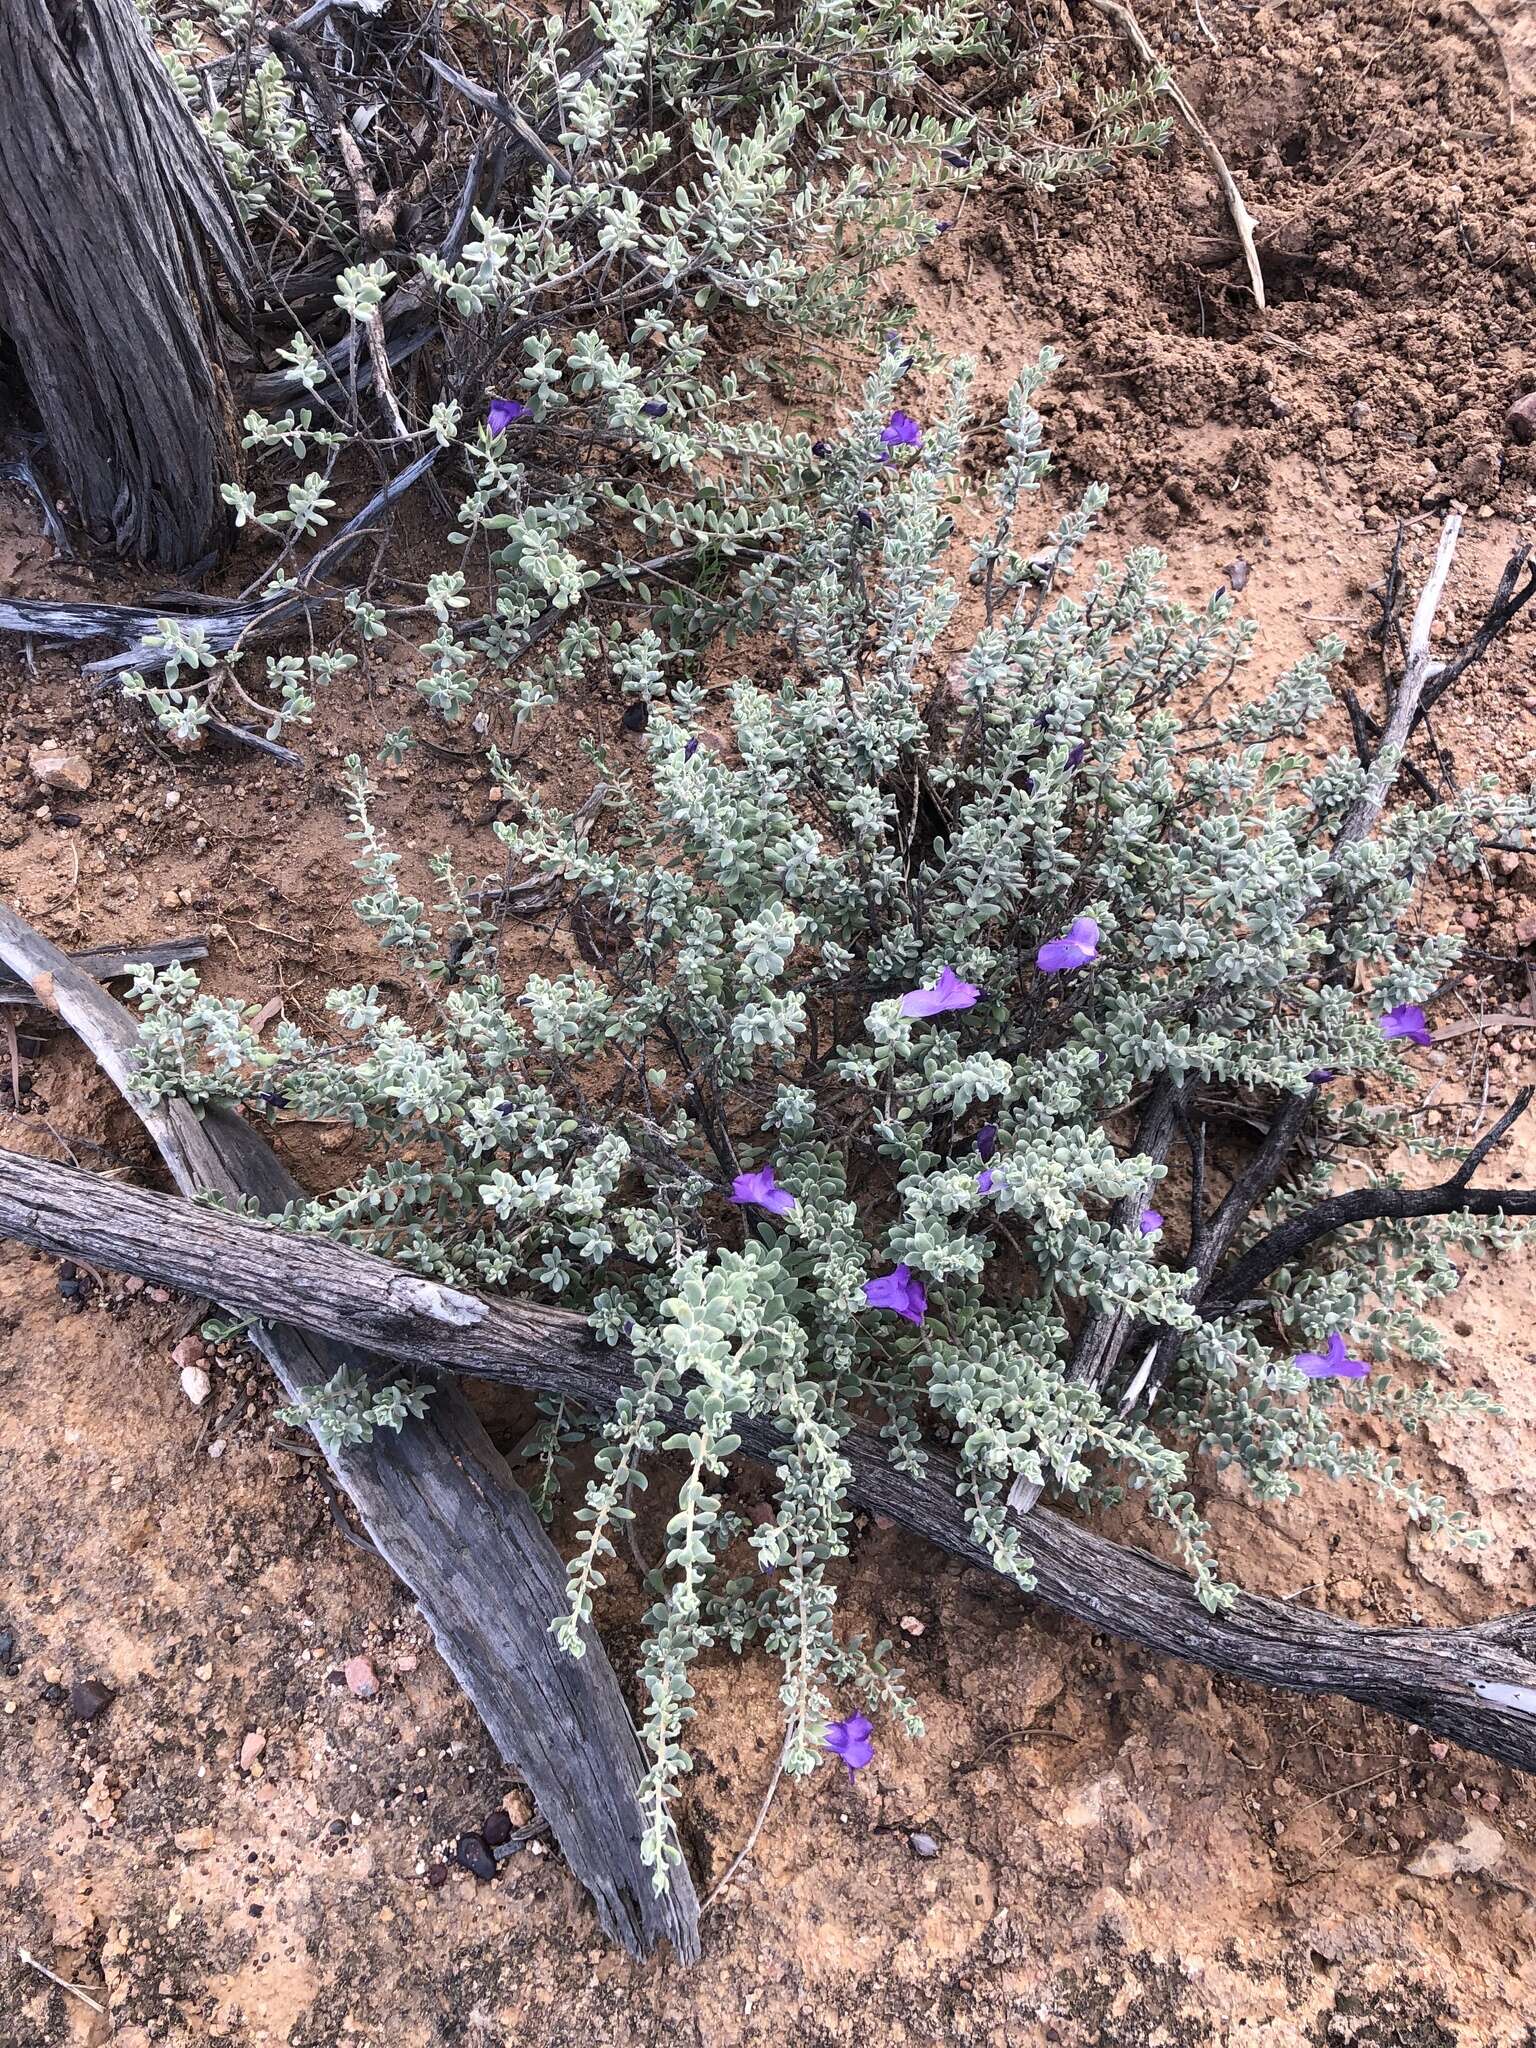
x=439, y=1505
x=1476, y=1685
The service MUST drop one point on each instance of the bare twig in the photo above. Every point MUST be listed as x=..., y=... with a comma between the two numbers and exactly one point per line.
x=1242, y=219
x=42, y=1969
x=757, y=1828
x=1454, y=1196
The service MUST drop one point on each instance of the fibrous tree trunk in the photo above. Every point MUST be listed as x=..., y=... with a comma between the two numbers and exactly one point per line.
x=115, y=221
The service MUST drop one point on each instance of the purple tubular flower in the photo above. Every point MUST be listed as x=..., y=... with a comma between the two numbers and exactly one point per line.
x=654, y=408
x=899, y=1291
x=1320, y=1077
x=1406, y=1021
x=1078, y=755
x=1333, y=1364
x=504, y=413
x=957, y=159
x=986, y=1140
x=901, y=431
x=1149, y=1221
x=1080, y=948
x=986, y=1181
x=690, y=750
x=757, y=1191
x=942, y=227
x=949, y=992
x=865, y=517
x=821, y=450
x=851, y=1741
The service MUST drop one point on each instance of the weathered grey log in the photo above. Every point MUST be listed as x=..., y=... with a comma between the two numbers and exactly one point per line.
x=1476, y=1685
x=441, y=1508
x=115, y=222
x=111, y=963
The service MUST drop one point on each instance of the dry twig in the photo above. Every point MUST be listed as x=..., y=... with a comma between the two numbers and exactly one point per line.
x=1242, y=219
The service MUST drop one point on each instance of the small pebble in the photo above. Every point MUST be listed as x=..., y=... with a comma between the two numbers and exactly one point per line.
x=437, y=1876
x=195, y=1384
x=59, y=768
x=88, y=1697
x=497, y=1828
x=1237, y=574
x=476, y=1858
x=361, y=1677
x=252, y=1748
x=922, y=1845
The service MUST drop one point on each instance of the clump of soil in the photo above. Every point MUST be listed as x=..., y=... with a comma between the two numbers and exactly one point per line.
x=237, y=1845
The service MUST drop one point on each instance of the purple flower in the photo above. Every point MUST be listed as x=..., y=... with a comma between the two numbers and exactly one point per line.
x=851, y=1741
x=942, y=227
x=757, y=1191
x=959, y=159
x=1078, y=754
x=865, y=517
x=986, y=1140
x=654, y=408
x=1148, y=1221
x=1406, y=1021
x=899, y=1291
x=1333, y=1364
x=949, y=992
x=986, y=1180
x=902, y=431
x=821, y=450
x=503, y=413
x=690, y=750
x=1320, y=1077
x=1080, y=948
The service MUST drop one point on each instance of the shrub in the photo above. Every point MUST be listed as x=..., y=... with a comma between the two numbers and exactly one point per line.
x=692, y=201
x=927, y=774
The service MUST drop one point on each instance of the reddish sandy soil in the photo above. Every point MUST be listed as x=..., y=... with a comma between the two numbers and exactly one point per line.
x=1129, y=1852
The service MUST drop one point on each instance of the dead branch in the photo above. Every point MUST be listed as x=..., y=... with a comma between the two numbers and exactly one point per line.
x=224, y=625
x=1262, y=1173
x=1477, y=1685
x=111, y=963
x=439, y=1505
x=1454, y=1196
